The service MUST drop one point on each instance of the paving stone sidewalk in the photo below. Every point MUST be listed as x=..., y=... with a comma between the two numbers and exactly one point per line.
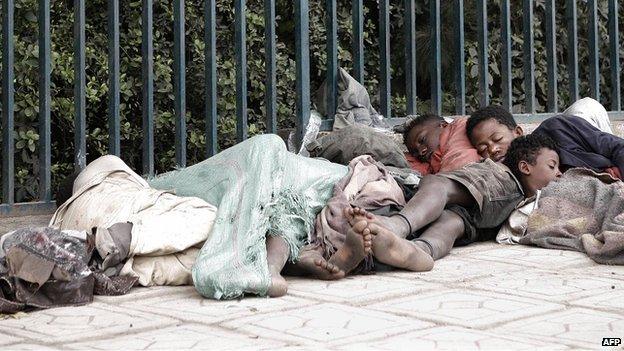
x=485, y=296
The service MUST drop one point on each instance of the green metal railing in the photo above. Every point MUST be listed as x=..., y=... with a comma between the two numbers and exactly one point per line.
x=301, y=13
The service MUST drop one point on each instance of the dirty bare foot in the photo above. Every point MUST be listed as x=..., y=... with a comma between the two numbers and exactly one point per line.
x=277, y=255
x=357, y=245
x=312, y=262
x=394, y=224
x=278, y=286
x=400, y=253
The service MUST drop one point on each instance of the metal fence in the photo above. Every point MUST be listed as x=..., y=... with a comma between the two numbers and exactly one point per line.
x=9, y=207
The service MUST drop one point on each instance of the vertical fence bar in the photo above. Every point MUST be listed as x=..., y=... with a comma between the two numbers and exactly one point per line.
x=410, y=56
x=358, y=40
x=460, y=64
x=179, y=82
x=614, y=55
x=113, y=77
x=436, y=74
x=482, y=31
x=147, y=53
x=332, y=58
x=302, y=56
x=506, y=55
x=210, y=72
x=241, y=69
x=551, y=56
x=44, y=101
x=573, y=70
x=80, y=143
x=8, y=146
x=384, y=55
x=594, y=72
x=269, y=49
x=529, y=62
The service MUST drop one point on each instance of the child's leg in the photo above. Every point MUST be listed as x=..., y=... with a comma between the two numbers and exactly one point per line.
x=397, y=252
x=434, y=194
x=277, y=255
x=439, y=238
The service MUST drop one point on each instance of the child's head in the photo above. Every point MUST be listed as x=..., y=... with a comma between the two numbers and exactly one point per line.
x=491, y=130
x=422, y=135
x=533, y=159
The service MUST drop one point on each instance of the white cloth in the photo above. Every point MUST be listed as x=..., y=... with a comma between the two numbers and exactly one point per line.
x=591, y=111
x=515, y=226
x=107, y=191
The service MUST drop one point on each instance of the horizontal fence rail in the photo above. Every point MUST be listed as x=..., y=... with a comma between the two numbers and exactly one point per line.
x=380, y=18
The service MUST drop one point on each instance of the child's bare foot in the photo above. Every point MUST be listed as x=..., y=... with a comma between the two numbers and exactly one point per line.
x=356, y=214
x=394, y=224
x=357, y=245
x=400, y=253
x=278, y=286
x=277, y=255
x=313, y=263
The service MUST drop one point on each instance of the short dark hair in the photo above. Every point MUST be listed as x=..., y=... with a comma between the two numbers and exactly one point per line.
x=415, y=121
x=65, y=189
x=526, y=148
x=497, y=113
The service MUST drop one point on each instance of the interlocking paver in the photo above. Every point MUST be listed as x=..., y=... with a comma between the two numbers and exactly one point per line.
x=187, y=305
x=597, y=270
x=182, y=337
x=577, y=327
x=453, y=338
x=31, y=346
x=75, y=323
x=534, y=257
x=326, y=324
x=474, y=309
x=358, y=290
x=544, y=285
x=142, y=293
x=611, y=301
x=454, y=269
x=484, y=296
x=6, y=339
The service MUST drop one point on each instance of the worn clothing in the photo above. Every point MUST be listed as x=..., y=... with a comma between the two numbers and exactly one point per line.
x=582, y=145
x=582, y=211
x=417, y=165
x=367, y=185
x=515, y=226
x=496, y=192
x=455, y=149
x=454, y=152
x=260, y=188
x=107, y=191
x=344, y=145
x=592, y=111
x=45, y=267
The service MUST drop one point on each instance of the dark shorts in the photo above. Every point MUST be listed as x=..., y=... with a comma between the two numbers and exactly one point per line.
x=496, y=193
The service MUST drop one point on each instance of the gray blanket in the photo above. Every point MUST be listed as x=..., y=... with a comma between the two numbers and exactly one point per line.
x=353, y=105
x=583, y=211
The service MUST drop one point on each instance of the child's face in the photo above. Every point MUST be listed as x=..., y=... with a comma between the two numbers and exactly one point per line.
x=492, y=139
x=544, y=171
x=424, y=139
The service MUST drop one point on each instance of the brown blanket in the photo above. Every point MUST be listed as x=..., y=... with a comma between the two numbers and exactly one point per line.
x=367, y=185
x=583, y=211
